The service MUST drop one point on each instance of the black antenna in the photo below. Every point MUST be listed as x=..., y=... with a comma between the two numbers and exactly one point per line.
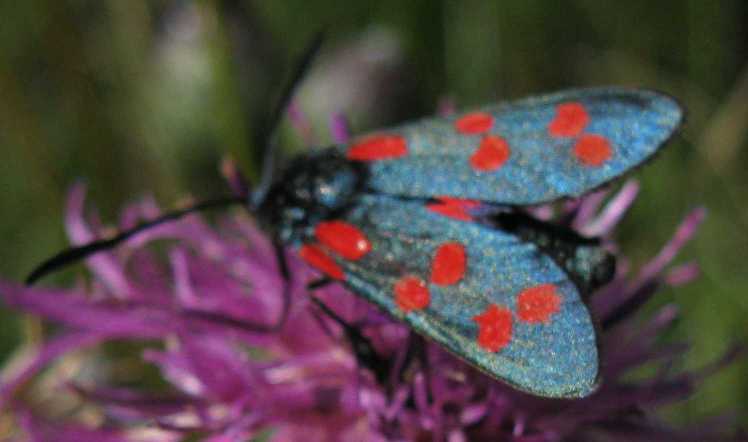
x=268, y=134
x=74, y=254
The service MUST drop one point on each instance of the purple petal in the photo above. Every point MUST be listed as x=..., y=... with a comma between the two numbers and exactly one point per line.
x=103, y=264
x=48, y=352
x=623, y=302
x=183, y=289
x=586, y=208
x=683, y=274
x=234, y=177
x=456, y=436
x=301, y=124
x=473, y=413
x=613, y=211
x=221, y=369
x=397, y=402
x=111, y=318
x=446, y=106
x=686, y=230
x=544, y=212
x=340, y=129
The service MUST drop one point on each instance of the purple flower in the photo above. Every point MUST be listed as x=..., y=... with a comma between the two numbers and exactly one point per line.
x=195, y=310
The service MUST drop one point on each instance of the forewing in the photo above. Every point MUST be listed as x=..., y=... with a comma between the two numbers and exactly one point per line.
x=525, y=152
x=493, y=300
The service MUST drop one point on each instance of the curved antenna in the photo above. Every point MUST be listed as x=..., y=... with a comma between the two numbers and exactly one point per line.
x=268, y=133
x=75, y=254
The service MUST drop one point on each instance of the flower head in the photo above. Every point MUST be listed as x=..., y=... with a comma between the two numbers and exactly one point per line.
x=204, y=312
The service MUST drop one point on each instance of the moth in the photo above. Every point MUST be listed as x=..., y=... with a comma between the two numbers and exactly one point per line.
x=427, y=221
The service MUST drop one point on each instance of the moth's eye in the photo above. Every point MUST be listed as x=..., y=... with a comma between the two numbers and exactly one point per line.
x=331, y=191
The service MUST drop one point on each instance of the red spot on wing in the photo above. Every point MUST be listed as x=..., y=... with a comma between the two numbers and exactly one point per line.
x=378, y=147
x=491, y=154
x=449, y=264
x=317, y=258
x=494, y=328
x=454, y=208
x=474, y=123
x=411, y=293
x=538, y=304
x=570, y=120
x=593, y=150
x=344, y=239
x=449, y=210
x=460, y=202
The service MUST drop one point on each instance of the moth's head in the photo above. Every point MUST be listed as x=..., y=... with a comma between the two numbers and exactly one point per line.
x=310, y=189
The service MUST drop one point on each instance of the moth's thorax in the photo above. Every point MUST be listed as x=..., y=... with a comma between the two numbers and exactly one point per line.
x=313, y=187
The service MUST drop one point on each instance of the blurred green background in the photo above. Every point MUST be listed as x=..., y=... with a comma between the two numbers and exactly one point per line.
x=141, y=97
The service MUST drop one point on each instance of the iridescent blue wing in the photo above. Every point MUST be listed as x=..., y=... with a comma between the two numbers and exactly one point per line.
x=492, y=299
x=524, y=152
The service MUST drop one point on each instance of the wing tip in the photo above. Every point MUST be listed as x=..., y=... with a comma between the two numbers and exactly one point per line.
x=666, y=111
x=579, y=389
x=668, y=107
x=574, y=387
x=652, y=98
x=583, y=388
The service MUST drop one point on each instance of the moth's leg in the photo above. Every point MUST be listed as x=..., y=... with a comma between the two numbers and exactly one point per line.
x=280, y=256
x=403, y=363
x=420, y=347
x=363, y=349
x=318, y=283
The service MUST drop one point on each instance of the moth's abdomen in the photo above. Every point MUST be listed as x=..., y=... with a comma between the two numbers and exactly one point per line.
x=584, y=260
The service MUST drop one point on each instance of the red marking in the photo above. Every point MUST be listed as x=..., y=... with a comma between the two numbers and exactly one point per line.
x=317, y=258
x=452, y=201
x=491, y=154
x=538, y=304
x=378, y=147
x=593, y=150
x=474, y=123
x=454, y=208
x=343, y=238
x=570, y=120
x=449, y=263
x=411, y=293
x=494, y=328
